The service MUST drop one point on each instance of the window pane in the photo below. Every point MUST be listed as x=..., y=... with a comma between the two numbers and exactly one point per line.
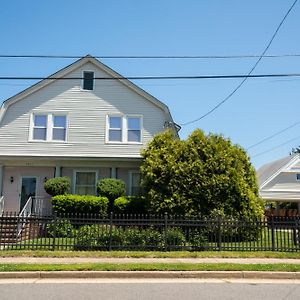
x=59, y=134
x=134, y=135
x=115, y=122
x=85, y=178
x=40, y=120
x=134, y=123
x=136, y=178
x=115, y=135
x=85, y=190
x=39, y=133
x=59, y=121
x=88, y=80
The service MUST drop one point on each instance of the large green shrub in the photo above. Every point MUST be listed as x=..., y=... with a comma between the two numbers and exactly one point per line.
x=57, y=186
x=80, y=204
x=198, y=175
x=130, y=205
x=111, y=188
x=60, y=228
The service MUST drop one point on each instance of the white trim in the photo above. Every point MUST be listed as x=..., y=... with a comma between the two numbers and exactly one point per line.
x=286, y=166
x=20, y=187
x=75, y=171
x=49, y=127
x=124, y=129
x=82, y=80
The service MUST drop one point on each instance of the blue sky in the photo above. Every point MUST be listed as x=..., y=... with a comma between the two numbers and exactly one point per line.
x=259, y=109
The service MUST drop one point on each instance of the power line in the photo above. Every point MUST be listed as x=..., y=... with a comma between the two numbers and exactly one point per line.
x=150, y=56
x=273, y=135
x=155, y=77
x=249, y=73
x=276, y=147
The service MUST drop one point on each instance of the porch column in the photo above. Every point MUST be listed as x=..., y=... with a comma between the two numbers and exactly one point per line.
x=113, y=172
x=1, y=179
x=57, y=171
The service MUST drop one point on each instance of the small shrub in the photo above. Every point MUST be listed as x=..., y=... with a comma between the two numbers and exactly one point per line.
x=57, y=186
x=80, y=204
x=60, y=228
x=197, y=240
x=174, y=237
x=111, y=188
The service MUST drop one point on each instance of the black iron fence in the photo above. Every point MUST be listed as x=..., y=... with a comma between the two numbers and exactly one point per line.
x=147, y=232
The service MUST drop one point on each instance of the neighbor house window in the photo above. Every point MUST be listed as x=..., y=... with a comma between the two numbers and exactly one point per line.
x=59, y=128
x=133, y=129
x=85, y=183
x=40, y=127
x=298, y=176
x=114, y=129
x=125, y=129
x=88, y=80
x=48, y=127
x=135, y=182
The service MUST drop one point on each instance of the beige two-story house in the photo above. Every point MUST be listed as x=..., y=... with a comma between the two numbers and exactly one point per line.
x=86, y=122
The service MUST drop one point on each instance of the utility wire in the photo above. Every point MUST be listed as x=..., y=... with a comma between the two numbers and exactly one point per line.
x=150, y=56
x=249, y=73
x=276, y=147
x=155, y=77
x=273, y=135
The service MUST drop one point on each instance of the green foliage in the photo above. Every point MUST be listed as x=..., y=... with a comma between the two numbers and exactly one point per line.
x=111, y=188
x=79, y=204
x=57, y=186
x=174, y=237
x=130, y=205
x=199, y=175
x=60, y=228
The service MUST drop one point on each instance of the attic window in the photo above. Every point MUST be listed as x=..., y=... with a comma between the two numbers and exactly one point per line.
x=88, y=80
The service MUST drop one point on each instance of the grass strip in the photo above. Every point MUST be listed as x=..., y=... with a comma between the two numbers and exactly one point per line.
x=149, y=267
x=150, y=254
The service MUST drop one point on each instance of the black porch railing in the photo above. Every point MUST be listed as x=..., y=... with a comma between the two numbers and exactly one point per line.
x=147, y=232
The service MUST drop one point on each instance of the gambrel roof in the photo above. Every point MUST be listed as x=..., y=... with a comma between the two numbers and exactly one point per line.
x=77, y=64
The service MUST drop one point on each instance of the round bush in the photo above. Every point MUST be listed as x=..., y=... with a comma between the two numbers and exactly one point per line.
x=111, y=188
x=57, y=186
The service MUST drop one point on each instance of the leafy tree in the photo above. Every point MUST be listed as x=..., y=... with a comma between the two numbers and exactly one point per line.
x=295, y=150
x=198, y=176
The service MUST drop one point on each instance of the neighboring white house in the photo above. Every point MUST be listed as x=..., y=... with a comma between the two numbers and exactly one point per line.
x=72, y=124
x=279, y=180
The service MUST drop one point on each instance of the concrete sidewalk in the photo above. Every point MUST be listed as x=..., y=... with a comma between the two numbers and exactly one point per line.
x=78, y=260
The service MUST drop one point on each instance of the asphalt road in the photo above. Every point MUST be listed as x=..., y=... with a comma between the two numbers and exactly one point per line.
x=157, y=289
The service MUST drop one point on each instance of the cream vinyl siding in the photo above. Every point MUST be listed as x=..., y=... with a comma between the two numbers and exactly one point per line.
x=285, y=181
x=86, y=117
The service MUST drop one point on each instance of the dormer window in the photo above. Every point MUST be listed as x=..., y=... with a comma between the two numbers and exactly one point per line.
x=88, y=80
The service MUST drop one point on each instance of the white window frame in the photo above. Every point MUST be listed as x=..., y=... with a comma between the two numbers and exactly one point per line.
x=124, y=122
x=49, y=128
x=82, y=80
x=53, y=127
x=84, y=171
x=130, y=180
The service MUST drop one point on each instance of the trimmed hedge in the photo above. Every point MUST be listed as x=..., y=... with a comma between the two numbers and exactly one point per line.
x=57, y=186
x=130, y=205
x=111, y=188
x=78, y=204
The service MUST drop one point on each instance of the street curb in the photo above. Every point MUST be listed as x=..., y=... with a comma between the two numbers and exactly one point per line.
x=152, y=274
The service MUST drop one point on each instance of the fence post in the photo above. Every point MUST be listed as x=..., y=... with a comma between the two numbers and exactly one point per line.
x=110, y=231
x=54, y=231
x=165, y=230
x=219, y=242
x=273, y=233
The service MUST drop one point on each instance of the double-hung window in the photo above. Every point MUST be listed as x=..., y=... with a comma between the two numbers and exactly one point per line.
x=115, y=129
x=48, y=127
x=39, y=131
x=85, y=182
x=59, y=128
x=124, y=129
x=134, y=129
